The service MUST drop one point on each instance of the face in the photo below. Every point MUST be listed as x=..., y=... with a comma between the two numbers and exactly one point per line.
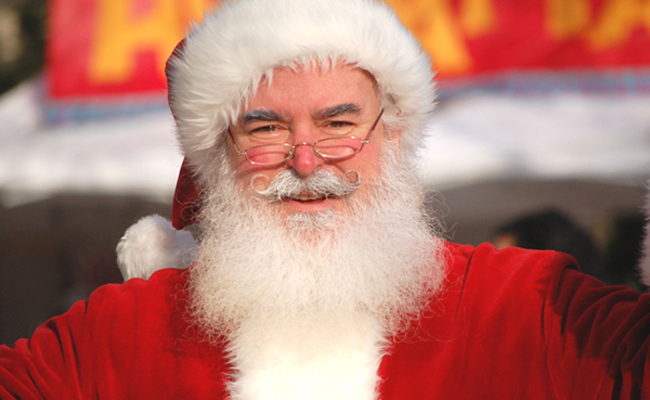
x=302, y=107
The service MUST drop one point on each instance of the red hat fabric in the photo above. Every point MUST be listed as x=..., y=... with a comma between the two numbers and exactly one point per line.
x=185, y=207
x=185, y=204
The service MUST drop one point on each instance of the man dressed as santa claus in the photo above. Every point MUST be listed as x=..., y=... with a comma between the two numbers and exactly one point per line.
x=314, y=271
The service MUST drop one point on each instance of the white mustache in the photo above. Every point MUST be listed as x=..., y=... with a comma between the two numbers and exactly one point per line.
x=322, y=183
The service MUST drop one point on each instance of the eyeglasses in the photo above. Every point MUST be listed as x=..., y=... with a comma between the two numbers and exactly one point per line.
x=332, y=148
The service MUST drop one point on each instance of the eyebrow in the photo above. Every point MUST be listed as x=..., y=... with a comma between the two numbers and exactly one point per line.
x=270, y=115
x=260, y=115
x=348, y=108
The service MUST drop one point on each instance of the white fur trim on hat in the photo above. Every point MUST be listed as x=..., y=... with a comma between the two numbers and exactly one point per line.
x=223, y=60
x=153, y=244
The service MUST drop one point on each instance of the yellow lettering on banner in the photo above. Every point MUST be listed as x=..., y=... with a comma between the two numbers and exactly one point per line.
x=617, y=21
x=567, y=18
x=477, y=16
x=434, y=24
x=193, y=10
x=119, y=36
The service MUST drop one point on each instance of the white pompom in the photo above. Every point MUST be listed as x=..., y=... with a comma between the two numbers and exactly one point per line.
x=153, y=244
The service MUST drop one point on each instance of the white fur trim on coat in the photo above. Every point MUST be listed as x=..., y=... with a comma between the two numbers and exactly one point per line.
x=224, y=58
x=153, y=244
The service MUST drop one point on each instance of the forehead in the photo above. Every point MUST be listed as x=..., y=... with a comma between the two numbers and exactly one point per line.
x=314, y=87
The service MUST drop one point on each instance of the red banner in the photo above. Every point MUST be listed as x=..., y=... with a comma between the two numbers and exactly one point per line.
x=108, y=47
x=477, y=36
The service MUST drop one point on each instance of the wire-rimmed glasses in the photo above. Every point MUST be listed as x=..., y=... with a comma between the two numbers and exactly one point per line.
x=332, y=148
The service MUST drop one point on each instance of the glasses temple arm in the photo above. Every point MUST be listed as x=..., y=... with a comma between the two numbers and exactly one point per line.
x=372, y=130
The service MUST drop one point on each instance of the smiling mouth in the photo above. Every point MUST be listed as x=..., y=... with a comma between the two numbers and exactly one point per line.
x=308, y=197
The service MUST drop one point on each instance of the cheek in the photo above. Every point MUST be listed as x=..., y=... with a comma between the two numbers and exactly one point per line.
x=245, y=171
x=235, y=159
x=366, y=162
x=240, y=166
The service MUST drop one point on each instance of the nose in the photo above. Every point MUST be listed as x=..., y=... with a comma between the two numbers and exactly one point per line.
x=304, y=160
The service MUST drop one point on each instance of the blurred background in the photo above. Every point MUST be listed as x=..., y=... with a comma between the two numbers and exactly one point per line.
x=541, y=137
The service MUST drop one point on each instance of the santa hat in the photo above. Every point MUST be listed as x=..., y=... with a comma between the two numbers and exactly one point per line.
x=222, y=60
x=155, y=243
x=220, y=63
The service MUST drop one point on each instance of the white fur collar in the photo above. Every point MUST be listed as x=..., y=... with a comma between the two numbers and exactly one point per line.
x=288, y=361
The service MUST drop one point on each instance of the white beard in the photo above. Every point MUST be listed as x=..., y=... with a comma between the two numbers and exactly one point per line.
x=307, y=304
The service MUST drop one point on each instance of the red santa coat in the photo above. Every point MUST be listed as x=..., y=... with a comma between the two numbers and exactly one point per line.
x=512, y=324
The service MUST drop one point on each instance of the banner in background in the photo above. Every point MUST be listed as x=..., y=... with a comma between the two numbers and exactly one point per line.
x=534, y=46
x=99, y=49
x=478, y=36
x=106, y=47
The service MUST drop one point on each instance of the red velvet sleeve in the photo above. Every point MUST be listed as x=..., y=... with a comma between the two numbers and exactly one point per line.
x=520, y=324
x=598, y=338
x=129, y=341
x=47, y=365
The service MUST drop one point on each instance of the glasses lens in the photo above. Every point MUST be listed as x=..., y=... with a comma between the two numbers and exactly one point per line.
x=338, y=147
x=268, y=154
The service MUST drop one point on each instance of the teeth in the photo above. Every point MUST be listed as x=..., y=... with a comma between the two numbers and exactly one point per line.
x=307, y=197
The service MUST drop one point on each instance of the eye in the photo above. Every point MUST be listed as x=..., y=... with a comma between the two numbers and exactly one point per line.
x=338, y=128
x=339, y=124
x=264, y=129
x=267, y=133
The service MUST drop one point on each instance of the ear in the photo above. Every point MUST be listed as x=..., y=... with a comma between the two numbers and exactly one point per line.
x=395, y=136
x=392, y=127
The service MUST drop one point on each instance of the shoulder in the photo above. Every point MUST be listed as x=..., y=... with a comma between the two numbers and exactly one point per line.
x=129, y=317
x=483, y=274
x=158, y=291
x=485, y=261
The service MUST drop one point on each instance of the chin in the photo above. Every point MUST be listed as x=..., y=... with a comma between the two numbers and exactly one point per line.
x=312, y=221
